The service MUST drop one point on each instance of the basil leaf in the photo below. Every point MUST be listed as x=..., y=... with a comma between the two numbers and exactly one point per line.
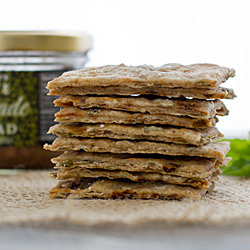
x=240, y=163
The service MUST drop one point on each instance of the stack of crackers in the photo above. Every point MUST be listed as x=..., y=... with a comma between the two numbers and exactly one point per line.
x=139, y=131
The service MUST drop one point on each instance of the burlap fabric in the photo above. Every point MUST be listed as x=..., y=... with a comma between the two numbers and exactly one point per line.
x=24, y=200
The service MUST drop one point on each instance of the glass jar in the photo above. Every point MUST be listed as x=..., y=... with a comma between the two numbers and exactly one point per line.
x=28, y=60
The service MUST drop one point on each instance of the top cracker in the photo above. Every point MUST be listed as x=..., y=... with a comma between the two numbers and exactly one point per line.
x=168, y=75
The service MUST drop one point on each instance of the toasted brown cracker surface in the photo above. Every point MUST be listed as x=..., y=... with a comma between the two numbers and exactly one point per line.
x=138, y=132
x=199, y=93
x=77, y=172
x=110, y=189
x=211, y=150
x=182, y=166
x=74, y=114
x=185, y=107
x=168, y=75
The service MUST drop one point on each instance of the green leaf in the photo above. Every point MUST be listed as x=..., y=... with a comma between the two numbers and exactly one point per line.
x=240, y=163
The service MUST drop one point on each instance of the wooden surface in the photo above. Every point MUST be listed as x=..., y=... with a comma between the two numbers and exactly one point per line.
x=179, y=238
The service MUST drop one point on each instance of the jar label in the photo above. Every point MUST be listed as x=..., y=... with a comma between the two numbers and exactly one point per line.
x=26, y=112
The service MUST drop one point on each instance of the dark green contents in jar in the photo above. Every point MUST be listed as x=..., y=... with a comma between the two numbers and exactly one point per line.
x=19, y=111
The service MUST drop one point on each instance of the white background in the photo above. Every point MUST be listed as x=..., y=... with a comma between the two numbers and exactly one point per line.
x=154, y=32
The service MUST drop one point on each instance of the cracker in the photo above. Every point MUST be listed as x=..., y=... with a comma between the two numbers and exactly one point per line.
x=204, y=183
x=211, y=150
x=182, y=166
x=138, y=132
x=199, y=93
x=74, y=114
x=113, y=189
x=184, y=107
x=168, y=75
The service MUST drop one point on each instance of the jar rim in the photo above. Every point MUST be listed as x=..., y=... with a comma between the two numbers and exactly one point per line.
x=64, y=41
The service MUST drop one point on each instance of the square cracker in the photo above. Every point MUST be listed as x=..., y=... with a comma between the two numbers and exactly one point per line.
x=113, y=189
x=123, y=90
x=183, y=107
x=74, y=114
x=79, y=172
x=168, y=75
x=211, y=150
x=181, y=166
x=138, y=132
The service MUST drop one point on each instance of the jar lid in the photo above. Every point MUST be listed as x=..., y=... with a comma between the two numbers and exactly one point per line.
x=64, y=41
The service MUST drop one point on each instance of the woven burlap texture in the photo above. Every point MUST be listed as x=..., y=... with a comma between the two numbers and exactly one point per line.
x=24, y=200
